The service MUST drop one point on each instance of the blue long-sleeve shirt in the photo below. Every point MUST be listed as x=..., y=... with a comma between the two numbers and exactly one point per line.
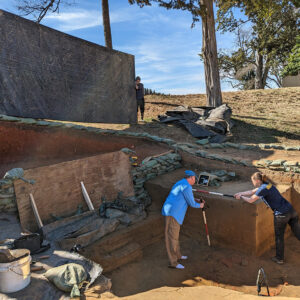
x=180, y=197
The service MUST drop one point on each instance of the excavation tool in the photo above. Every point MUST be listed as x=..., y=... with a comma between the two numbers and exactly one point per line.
x=36, y=213
x=262, y=280
x=212, y=193
x=204, y=219
x=86, y=197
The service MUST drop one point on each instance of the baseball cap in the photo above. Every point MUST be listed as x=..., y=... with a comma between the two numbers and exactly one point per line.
x=190, y=173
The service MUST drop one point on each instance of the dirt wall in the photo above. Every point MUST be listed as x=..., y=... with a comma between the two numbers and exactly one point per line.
x=232, y=223
x=277, y=177
x=30, y=146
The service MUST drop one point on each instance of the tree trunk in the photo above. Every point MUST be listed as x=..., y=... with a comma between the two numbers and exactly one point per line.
x=259, y=61
x=210, y=56
x=106, y=24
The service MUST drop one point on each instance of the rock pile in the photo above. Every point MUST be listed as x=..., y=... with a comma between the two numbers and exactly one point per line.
x=279, y=165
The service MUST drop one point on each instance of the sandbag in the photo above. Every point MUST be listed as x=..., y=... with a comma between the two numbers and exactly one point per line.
x=17, y=173
x=68, y=278
x=223, y=112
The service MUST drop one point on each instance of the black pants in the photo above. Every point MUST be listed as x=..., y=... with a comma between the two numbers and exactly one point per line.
x=280, y=222
x=141, y=105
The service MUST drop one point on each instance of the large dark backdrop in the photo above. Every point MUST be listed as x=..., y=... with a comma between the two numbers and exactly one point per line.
x=45, y=73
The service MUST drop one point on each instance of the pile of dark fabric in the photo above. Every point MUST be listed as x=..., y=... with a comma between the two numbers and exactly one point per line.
x=126, y=210
x=202, y=122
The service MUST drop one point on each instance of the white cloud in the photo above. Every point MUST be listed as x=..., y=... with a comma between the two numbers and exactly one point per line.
x=183, y=91
x=81, y=19
x=77, y=19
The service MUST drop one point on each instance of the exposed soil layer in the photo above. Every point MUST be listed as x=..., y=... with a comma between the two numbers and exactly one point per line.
x=209, y=266
x=28, y=146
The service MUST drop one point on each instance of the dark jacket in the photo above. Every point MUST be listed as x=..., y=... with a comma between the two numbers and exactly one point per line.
x=140, y=92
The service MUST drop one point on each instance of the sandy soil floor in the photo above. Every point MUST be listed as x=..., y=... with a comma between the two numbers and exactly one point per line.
x=206, y=266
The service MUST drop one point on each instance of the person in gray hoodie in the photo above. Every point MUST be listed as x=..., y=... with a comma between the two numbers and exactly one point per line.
x=139, y=87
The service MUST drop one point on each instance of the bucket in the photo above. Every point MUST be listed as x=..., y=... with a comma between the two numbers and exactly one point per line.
x=31, y=242
x=15, y=275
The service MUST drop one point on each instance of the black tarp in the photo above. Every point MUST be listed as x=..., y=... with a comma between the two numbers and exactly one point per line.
x=202, y=122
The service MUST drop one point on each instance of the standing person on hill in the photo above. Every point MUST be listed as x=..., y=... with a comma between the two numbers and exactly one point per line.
x=139, y=88
x=174, y=209
x=284, y=213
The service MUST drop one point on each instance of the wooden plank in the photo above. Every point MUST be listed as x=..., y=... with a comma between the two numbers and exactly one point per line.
x=58, y=191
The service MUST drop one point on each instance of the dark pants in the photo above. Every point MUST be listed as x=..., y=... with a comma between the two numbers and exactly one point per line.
x=280, y=222
x=141, y=105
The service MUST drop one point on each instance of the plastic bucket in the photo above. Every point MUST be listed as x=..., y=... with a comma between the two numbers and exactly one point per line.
x=15, y=276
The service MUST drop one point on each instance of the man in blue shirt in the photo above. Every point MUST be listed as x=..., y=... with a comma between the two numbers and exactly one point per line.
x=174, y=209
x=284, y=213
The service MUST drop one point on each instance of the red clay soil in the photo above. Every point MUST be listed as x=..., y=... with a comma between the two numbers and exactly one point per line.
x=27, y=146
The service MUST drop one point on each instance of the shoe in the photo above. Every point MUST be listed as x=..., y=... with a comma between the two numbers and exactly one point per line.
x=179, y=266
x=277, y=260
x=183, y=257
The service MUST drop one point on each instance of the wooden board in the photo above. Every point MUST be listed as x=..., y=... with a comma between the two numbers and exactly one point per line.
x=58, y=191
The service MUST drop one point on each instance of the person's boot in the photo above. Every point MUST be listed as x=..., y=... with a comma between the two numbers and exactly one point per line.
x=142, y=115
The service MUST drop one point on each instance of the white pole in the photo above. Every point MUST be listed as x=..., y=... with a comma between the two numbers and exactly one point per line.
x=86, y=197
x=35, y=211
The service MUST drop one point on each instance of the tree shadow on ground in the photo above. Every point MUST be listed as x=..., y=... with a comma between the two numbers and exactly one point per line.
x=164, y=103
x=248, y=133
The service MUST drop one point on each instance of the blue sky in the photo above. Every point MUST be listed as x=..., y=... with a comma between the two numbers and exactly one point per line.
x=162, y=41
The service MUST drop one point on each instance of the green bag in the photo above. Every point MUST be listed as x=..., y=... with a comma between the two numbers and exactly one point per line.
x=68, y=278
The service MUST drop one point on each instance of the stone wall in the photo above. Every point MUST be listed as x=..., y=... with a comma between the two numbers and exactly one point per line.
x=47, y=74
x=141, y=174
x=151, y=169
x=7, y=196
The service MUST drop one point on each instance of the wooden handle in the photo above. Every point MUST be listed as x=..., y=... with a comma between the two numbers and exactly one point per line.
x=86, y=197
x=43, y=257
x=35, y=269
x=35, y=211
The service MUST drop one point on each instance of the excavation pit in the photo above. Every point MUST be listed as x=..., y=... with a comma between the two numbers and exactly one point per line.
x=236, y=228
x=31, y=146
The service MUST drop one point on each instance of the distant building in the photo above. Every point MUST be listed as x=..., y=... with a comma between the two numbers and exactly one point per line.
x=291, y=81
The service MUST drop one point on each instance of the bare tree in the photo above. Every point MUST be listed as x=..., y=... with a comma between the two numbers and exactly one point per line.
x=200, y=9
x=106, y=24
x=210, y=55
x=39, y=9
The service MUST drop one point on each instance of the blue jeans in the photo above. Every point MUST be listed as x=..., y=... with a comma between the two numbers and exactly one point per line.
x=280, y=222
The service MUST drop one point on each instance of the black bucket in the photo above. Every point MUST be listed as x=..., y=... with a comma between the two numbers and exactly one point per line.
x=31, y=242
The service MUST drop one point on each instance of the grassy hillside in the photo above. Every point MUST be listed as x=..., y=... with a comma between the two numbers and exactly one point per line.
x=261, y=116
